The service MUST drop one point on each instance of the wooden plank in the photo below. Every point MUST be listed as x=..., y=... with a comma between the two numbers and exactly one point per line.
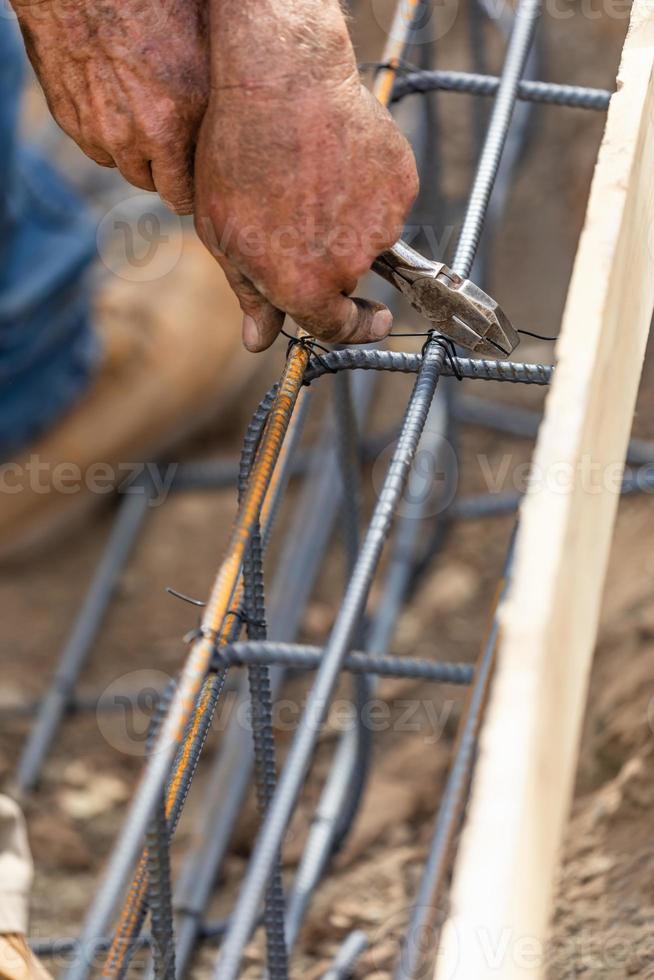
x=502, y=888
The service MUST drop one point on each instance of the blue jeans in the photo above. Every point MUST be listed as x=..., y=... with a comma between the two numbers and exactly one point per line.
x=48, y=350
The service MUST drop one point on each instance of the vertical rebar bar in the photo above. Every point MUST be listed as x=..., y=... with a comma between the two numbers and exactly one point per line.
x=124, y=942
x=426, y=909
x=264, y=753
x=54, y=704
x=159, y=894
x=345, y=960
x=524, y=27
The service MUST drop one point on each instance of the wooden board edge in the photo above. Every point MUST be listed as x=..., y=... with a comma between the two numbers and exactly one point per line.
x=502, y=888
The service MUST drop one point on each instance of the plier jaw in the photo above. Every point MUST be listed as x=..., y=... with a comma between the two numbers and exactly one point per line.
x=455, y=307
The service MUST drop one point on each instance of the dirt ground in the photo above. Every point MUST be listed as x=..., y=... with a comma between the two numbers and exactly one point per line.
x=605, y=905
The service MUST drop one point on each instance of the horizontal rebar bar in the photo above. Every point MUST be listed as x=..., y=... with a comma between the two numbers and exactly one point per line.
x=304, y=657
x=545, y=93
x=66, y=946
x=403, y=362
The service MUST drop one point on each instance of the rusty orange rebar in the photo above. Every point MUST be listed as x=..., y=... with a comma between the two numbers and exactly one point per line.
x=133, y=907
x=393, y=51
x=193, y=690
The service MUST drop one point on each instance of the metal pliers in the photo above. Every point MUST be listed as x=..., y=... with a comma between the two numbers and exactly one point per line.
x=456, y=307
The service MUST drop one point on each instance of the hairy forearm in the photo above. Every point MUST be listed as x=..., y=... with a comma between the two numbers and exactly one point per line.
x=273, y=43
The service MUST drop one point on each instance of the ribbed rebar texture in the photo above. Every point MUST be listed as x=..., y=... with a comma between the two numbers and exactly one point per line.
x=524, y=27
x=356, y=762
x=188, y=755
x=546, y=93
x=347, y=447
x=265, y=773
x=159, y=895
x=157, y=844
x=402, y=362
x=125, y=939
x=184, y=769
x=297, y=656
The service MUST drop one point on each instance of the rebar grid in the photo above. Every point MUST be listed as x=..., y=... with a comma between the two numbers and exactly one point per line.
x=356, y=645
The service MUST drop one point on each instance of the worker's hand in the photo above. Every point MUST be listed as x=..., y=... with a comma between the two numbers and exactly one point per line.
x=302, y=178
x=128, y=80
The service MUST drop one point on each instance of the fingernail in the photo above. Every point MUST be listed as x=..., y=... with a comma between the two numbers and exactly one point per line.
x=381, y=324
x=251, y=337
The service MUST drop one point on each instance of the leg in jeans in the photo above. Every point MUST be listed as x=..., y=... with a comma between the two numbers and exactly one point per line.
x=163, y=354
x=48, y=350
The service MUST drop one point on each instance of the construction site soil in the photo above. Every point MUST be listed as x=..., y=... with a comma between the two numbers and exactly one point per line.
x=604, y=914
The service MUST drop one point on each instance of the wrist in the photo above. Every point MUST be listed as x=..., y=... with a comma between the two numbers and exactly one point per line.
x=278, y=46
